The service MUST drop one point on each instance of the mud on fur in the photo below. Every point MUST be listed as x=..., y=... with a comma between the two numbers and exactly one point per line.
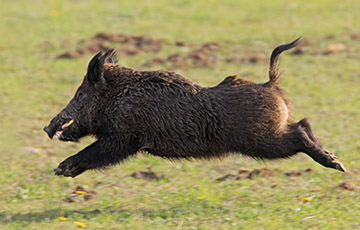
x=167, y=115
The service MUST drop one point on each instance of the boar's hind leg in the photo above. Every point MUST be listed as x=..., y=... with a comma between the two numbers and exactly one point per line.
x=100, y=154
x=311, y=146
x=305, y=124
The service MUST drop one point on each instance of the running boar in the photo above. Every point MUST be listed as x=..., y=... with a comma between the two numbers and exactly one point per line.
x=164, y=114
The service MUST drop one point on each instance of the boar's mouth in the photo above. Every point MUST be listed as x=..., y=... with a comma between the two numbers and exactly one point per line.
x=56, y=129
x=61, y=129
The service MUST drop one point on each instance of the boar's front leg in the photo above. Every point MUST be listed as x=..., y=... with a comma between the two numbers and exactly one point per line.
x=100, y=154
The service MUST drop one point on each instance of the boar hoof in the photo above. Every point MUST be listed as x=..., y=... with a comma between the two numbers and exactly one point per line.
x=69, y=168
x=339, y=166
x=333, y=162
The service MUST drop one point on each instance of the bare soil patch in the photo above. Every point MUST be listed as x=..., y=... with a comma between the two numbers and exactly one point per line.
x=296, y=173
x=248, y=174
x=147, y=175
x=129, y=45
x=347, y=186
x=203, y=55
x=79, y=193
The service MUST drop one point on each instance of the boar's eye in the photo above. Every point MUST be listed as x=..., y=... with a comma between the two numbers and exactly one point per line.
x=80, y=95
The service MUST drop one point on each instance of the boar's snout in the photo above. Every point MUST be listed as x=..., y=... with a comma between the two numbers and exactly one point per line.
x=57, y=126
x=53, y=127
x=48, y=131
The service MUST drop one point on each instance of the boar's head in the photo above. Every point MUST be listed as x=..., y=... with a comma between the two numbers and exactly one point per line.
x=77, y=119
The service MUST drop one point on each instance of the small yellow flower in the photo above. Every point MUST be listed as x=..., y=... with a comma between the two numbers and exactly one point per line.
x=54, y=13
x=62, y=218
x=307, y=199
x=80, y=224
x=80, y=192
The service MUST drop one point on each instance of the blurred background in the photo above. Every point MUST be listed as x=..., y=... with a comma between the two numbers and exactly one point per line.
x=45, y=47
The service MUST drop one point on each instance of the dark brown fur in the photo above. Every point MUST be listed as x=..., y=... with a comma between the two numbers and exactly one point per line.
x=167, y=115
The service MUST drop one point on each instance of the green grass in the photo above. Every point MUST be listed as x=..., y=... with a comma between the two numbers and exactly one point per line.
x=34, y=87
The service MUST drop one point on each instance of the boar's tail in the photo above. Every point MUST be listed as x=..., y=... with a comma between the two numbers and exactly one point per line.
x=273, y=71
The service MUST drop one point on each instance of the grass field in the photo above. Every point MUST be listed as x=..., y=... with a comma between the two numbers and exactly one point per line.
x=323, y=82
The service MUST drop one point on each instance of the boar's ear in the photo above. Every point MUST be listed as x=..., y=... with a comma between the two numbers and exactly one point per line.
x=95, y=74
x=110, y=57
x=95, y=70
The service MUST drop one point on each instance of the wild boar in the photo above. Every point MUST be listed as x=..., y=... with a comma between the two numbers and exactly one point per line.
x=164, y=114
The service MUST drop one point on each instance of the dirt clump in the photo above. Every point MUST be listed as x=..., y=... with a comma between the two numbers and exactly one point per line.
x=90, y=195
x=355, y=36
x=129, y=45
x=180, y=43
x=248, y=174
x=295, y=173
x=147, y=175
x=84, y=50
x=79, y=193
x=241, y=174
x=334, y=48
x=263, y=172
x=251, y=59
x=354, y=172
x=205, y=56
x=347, y=186
x=330, y=36
x=193, y=56
x=229, y=177
x=141, y=42
x=200, y=56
